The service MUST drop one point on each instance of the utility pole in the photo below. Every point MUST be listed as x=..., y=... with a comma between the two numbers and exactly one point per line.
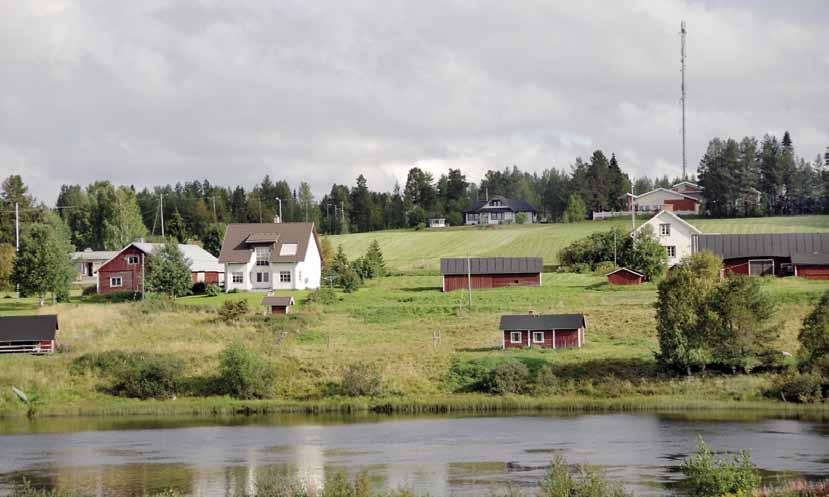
x=469, y=277
x=161, y=208
x=280, y=208
x=17, y=238
x=342, y=214
x=632, y=208
x=215, y=218
x=682, y=33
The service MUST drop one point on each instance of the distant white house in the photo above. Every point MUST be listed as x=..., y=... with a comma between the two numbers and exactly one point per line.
x=271, y=256
x=88, y=262
x=673, y=233
x=437, y=222
x=500, y=210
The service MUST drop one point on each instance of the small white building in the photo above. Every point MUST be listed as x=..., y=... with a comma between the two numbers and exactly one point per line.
x=271, y=256
x=437, y=222
x=673, y=233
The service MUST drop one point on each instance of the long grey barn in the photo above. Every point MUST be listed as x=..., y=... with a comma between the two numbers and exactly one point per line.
x=490, y=272
x=781, y=254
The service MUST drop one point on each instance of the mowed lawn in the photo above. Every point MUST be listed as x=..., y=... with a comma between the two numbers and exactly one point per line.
x=408, y=251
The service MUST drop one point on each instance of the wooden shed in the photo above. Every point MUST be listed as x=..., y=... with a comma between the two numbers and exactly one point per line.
x=278, y=305
x=625, y=276
x=811, y=266
x=550, y=331
x=490, y=272
x=28, y=334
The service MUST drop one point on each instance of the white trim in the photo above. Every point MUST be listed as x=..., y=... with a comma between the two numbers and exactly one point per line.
x=137, y=260
x=120, y=281
x=636, y=197
x=749, y=261
x=554, y=338
x=672, y=215
x=626, y=270
x=534, y=333
x=512, y=339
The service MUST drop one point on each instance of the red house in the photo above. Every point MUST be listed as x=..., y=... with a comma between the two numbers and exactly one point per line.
x=625, y=276
x=490, y=272
x=125, y=271
x=550, y=331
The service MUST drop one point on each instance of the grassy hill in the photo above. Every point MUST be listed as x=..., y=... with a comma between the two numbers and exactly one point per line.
x=406, y=250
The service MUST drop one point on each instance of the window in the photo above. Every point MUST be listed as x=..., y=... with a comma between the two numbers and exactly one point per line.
x=263, y=256
x=287, y=249
x=538, y=337
x=284, y=276
x=116, y=281
x=671, y=250
x=263, y=277
x=665, y=229
x=495, y=203
x=238, y=278
x=133, y=259
x=515, y=337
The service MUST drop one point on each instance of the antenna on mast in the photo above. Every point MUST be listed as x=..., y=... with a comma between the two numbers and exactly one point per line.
x=682, y=33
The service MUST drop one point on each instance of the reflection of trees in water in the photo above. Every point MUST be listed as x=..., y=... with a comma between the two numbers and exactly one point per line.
x=126, y=479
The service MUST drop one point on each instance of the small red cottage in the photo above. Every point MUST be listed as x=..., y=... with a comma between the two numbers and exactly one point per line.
x=278, y=305
x=625, y=276
x=28, y=334
x=551, y=331
x=490, y=272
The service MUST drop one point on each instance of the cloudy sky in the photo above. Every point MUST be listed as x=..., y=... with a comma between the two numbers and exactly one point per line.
x=156, y=91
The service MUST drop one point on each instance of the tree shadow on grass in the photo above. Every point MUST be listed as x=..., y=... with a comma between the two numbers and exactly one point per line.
x=631, y=369
x=421, y=289
x=479, y=349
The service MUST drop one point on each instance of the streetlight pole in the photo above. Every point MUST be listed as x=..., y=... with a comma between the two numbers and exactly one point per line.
x=280, y=208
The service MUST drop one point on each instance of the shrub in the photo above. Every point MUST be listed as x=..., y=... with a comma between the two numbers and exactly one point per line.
x=590, y=482
x=149, y=376
x=798, y=387
x=232, y=310
x=350, y=280
x=509, y=378
x=323, y=295
x=468, y=376
x=89, y=290
x=362, y=380
x=521, y=218
x=420, y=227
x=814, y=338
x=604, y=267
x=710, y=475
x=243, y=373
x=199, y=288
x=581, y=268
x=213, y=291
x=546, y=381
x=115, y=297
x=102, y=362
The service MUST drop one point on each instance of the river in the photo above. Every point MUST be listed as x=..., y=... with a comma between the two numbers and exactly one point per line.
x=439, y=456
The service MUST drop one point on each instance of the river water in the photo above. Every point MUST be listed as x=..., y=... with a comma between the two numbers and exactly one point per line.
x=439, y=456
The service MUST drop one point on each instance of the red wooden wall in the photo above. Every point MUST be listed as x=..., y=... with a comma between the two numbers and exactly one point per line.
x=130, y=273
x=813, y=272
x=564, y=339
x=459, y=281
x=624, y=278
x=684, y=204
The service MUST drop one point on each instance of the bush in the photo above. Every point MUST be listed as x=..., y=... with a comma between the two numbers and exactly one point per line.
x=115, y=297
x=362, y=380
x=590, y=482
x=350, y=280
x=509, y=378
x=199, y=288
x=149, y=376
x=546, y=381
x=521, y=218
x=468, y=376
x=232, y=310
x=323, y=295
x=420, y=227
x=709, y=475
x=89, y=290
x=102, y=362
x=604, y=267
x=814, y=338
x=213, y=291
x=582, y=268
x=243, y=373
x=798, y=387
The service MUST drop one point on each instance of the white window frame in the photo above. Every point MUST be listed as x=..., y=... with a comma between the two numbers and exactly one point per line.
x=263, y=256
x=237, y=277
x=665, y=229
x=773, y=272
x=513, y=334
x=536, y=334
x=285, y=276
x=671, y=249
x=130, y=260
x=112, y=281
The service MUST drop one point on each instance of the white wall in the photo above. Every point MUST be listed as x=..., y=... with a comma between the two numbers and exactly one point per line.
x=245, y=269
x=680, y=236
x=309, y=271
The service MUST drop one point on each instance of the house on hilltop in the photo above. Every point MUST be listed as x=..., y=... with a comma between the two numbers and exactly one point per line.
x=271, y=256
x=673, y=233
x=682, y=198
x=499, y=210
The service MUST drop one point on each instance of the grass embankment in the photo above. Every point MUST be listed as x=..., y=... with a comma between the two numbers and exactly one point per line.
x=393, y=323
x=410, y=251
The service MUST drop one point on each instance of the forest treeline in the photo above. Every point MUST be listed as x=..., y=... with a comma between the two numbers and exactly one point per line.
x=103, y=215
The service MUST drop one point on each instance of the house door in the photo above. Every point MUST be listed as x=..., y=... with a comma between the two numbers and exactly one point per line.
x=764, y=267
x=89, y=269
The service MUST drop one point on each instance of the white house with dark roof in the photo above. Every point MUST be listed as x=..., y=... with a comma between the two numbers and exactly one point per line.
x=271, y=256
x=673, y=233
x=499, y=210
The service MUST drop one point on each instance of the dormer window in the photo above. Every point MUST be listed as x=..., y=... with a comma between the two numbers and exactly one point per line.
x=495, y=203
x=263, y=256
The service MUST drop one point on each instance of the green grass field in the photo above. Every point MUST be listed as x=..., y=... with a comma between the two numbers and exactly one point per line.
x=413, y=251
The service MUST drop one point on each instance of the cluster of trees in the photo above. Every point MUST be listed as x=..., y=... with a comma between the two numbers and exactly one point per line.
x=640, y=252
x=349, y=275
x=762, y=177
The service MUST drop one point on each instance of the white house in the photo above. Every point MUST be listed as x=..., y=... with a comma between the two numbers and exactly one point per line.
x=271, y=256
x=500, y=210
x=673, y=233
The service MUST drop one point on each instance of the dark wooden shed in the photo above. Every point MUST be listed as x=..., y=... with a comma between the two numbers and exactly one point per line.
x=550, y=331
x=625, y=276
x=278, y=305
x=28, y=334
x=490, y=272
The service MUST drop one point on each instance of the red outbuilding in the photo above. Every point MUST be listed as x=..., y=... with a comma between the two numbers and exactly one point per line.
x=550, y=331
x=28, y=334
x=490, y=272
x=811, y=266
x=625, y=276
x=278, y=305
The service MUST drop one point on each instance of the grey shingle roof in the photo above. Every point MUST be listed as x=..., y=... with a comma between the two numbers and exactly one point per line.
x=763, y=245
x=543, y=322
x=281, y=301
x=28, y=328
x=493, y=265
x=507, y=204
x=237, y=245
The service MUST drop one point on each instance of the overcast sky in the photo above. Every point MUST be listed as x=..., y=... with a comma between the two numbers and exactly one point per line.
x=152, y=92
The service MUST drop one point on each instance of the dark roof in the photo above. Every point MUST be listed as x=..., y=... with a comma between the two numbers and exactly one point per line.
x=506, y=205
x=543, y=322
x=765, y=245
x=28, y=328
x=237, y=246
x=492, y=265
x=278, y=301
x=811, y=259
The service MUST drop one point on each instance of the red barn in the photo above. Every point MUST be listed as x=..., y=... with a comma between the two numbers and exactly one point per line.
x=550, y=331
x=278, y=305
x=490, y=272
x=28, y=334
x=625, y=276
x=125, y=271
x=771, y=254
x=811, y=266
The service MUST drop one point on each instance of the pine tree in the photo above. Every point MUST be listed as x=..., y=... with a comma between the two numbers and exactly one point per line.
x=168, y=271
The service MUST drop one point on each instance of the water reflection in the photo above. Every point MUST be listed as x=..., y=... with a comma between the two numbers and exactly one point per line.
x=439, y=456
